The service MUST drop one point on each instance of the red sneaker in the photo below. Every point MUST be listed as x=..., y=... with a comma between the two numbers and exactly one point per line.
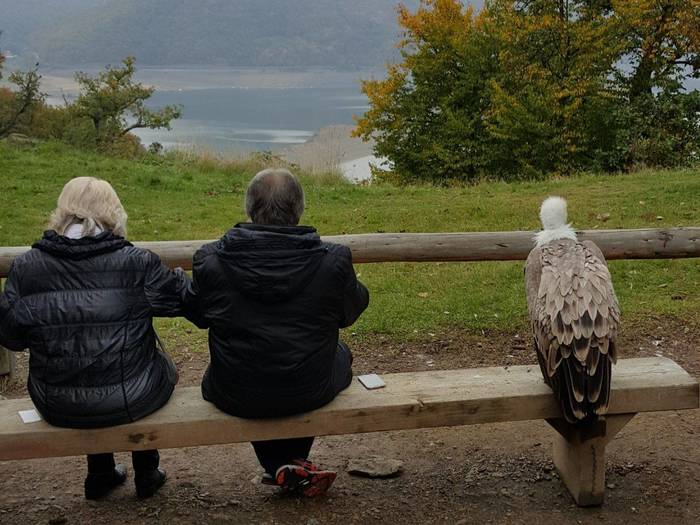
x=305, y=478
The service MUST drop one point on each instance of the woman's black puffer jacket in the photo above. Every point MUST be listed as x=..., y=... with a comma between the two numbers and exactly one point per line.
x=84, y=308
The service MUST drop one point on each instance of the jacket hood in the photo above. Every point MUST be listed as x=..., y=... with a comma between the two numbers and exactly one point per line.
x=271, y=263
x=76, y=249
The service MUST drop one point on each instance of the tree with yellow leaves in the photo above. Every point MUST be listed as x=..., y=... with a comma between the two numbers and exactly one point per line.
x=661, y=42
x=661, y=119
x=553, y=89
x=427, y=114
x=525, y=88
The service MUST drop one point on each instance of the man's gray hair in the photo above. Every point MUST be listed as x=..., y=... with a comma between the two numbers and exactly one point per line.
x=275, y=197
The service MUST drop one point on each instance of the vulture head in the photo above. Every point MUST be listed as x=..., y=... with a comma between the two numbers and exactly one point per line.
x=553, y=217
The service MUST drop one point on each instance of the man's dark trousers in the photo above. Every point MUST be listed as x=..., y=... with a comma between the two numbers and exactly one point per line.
x=278, y=452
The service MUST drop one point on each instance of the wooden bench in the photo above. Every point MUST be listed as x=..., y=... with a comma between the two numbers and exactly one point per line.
x=409, y=401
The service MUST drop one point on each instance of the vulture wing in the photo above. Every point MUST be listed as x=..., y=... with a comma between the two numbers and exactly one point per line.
x=575, y=315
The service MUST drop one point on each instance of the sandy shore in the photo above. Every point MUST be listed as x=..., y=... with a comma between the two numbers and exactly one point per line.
x=334, y=148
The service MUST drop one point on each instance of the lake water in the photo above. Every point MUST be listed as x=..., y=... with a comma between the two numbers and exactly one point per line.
x=254, y=119
x=235, y=111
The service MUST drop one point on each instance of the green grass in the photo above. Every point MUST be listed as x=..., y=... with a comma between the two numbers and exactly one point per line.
x=173, y=198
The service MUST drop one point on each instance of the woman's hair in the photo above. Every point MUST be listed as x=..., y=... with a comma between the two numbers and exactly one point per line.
x=91, y=202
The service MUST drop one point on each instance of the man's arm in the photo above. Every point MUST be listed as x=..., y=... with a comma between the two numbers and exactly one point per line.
x=194, y=309
x=355, y=295
x=165, y=288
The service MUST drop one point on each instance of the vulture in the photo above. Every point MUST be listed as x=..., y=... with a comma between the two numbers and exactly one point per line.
x=574, y=315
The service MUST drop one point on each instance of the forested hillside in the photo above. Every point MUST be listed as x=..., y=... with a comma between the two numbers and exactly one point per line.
x=338, y=33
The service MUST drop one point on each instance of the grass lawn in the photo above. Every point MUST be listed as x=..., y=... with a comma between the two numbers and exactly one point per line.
x=170, y=199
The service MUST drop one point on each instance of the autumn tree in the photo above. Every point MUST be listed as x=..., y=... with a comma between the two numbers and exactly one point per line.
x=18, y=102
x=661, y=49
x=661, y=42
x=426, y=116
x=115, y=104
x=526, y=88
x=552, y=97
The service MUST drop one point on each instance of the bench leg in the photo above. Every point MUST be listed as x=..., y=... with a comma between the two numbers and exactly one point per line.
x=579, y=456
x=7, y=362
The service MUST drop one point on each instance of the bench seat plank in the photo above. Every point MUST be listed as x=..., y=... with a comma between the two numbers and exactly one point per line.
x=409, y=401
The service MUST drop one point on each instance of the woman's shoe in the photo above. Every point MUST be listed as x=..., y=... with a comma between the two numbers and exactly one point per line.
x=148, y=482
x=97, y=486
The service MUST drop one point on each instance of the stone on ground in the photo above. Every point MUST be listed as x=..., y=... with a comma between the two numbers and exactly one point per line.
x=375, y=467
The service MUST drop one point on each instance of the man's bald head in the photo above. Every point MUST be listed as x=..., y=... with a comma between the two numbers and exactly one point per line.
x=275, y=197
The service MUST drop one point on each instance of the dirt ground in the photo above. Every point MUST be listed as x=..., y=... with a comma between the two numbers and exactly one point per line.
x=500, y=473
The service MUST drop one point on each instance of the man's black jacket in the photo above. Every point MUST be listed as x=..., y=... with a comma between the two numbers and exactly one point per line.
x=273, y=298
x=84, y=308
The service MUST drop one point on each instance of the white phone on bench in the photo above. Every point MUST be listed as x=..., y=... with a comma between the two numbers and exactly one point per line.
x=371, y=381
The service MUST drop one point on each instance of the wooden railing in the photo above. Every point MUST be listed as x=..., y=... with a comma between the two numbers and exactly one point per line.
x=668, y=243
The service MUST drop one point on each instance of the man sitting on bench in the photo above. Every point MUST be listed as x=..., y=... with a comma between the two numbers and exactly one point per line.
x=273, y=296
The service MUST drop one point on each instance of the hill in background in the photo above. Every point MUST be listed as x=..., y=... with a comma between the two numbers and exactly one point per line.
x=333, y=33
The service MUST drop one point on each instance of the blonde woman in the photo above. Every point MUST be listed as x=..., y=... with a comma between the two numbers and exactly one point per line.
x=82, y=300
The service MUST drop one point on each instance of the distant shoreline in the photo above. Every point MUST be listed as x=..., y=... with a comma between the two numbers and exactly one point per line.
x=330, y=148
x=57, y=81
